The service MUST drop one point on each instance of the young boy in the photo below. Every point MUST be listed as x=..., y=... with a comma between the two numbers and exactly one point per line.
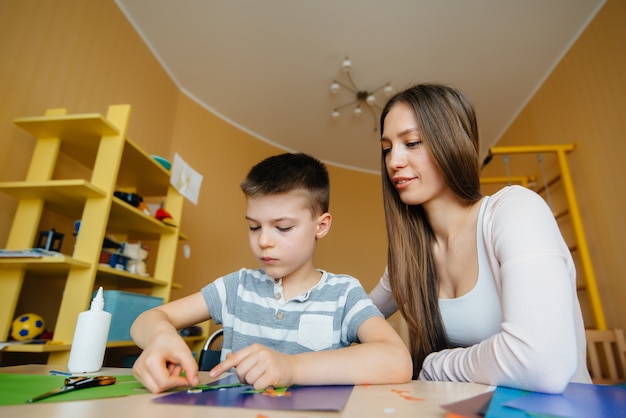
x=286, y=323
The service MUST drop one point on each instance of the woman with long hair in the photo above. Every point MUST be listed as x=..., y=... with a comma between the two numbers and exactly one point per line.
x=486, y=284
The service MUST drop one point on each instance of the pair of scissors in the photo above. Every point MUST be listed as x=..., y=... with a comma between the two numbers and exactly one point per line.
x=75, y=383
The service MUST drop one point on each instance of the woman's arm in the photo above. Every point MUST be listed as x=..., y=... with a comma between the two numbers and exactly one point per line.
x=382, y=297
x=536, y=348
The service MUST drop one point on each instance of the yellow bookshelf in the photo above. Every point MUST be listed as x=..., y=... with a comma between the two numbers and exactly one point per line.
x=114, y=162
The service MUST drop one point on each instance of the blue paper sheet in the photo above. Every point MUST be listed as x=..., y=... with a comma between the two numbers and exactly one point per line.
x=577, y=401
x=501, y=396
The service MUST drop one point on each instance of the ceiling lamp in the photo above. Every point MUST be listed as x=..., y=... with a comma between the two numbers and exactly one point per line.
x=362, y=98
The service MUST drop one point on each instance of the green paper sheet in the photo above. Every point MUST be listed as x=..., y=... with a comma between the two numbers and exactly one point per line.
x=18, y=388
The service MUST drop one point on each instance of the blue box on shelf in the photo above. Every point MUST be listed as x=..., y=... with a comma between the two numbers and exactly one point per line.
x=125, y=307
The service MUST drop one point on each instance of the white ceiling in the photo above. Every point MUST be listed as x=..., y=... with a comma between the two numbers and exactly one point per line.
x=266, y=66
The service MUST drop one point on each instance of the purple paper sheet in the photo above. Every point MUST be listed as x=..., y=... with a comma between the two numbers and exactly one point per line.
x=311, y=398
x=577, y=401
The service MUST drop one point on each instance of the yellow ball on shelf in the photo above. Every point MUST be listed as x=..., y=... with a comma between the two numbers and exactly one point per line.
x=28, y=326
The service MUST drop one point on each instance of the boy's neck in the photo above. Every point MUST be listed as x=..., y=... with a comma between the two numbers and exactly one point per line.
x=298, y=284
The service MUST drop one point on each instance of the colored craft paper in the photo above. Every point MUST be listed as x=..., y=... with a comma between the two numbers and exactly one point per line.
x=501, y=396
x=311, y=398
x=473, y=407
x=577, y=401
x=18, y=388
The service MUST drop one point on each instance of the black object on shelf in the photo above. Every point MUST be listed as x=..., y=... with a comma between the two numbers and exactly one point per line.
x=130, y=198
x=50, y=240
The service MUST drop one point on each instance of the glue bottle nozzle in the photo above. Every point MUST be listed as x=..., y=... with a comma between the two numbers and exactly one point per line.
x=97, y=304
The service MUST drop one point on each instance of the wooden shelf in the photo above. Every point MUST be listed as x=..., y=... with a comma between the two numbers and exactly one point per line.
x=111, y=276
x=80, y=133
x=37, y=348
x=66, y=197
x=43, y=265
x=130, y=220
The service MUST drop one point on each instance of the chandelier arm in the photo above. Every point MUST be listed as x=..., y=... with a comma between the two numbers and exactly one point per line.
x=373, y=117
x=345, y=86
x=378, y=88
x=347, y=104
x=352, y=81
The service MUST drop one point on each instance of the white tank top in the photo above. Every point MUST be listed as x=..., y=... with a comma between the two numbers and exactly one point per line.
x=475, y=316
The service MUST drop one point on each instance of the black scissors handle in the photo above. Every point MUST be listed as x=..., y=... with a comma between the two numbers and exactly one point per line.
x=82, y=382
x=75, y=383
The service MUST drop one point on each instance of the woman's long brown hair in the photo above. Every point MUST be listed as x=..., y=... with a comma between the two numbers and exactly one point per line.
x=447, y=125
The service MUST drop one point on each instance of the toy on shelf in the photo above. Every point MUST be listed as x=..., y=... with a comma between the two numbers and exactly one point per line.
x=165, y=163
x=28, y=326
x=50, y=240
x=137, y=255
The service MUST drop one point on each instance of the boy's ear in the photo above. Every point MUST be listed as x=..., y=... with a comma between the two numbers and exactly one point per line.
x=323, y=225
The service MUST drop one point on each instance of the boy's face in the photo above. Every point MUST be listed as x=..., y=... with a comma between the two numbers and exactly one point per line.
x=283, y=232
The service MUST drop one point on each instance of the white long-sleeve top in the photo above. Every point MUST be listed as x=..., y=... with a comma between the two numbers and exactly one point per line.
x=541, y=344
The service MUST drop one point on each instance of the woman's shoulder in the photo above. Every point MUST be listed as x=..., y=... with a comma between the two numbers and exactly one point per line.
x=519, y=206
x=515, y=198
x=513, y=192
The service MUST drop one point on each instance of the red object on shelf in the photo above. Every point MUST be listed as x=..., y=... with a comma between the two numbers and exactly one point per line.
x=162, y=214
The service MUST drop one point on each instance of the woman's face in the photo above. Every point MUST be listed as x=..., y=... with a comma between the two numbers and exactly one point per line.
x=408, y=161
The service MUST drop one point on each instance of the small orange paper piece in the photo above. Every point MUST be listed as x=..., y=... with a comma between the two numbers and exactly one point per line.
x=276, y=393
x=411, y=398
x=406, y=395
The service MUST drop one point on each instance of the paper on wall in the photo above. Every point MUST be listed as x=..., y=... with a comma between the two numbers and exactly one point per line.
x=185, y=179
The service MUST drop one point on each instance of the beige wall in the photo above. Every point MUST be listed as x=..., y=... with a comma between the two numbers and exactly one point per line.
x=584, y=102
x=84, y=55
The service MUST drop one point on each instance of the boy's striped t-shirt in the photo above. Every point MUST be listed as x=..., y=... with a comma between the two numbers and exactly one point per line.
x=251, y=308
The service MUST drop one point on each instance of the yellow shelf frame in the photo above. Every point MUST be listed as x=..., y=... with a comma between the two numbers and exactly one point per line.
x=117, y=163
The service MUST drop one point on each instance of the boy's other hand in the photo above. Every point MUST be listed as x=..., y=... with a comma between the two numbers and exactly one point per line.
x=259, y=366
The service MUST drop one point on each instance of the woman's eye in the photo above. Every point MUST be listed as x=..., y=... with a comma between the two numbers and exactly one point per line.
x=254, y=228
x=284, y=228
x=386, y=151
x=413, y=144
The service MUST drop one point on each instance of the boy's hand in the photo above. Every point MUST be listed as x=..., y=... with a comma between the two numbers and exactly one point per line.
x=259, y=366
x=160, y=366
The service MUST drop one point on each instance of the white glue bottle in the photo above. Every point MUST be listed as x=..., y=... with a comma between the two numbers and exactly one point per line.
x=90, y=338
